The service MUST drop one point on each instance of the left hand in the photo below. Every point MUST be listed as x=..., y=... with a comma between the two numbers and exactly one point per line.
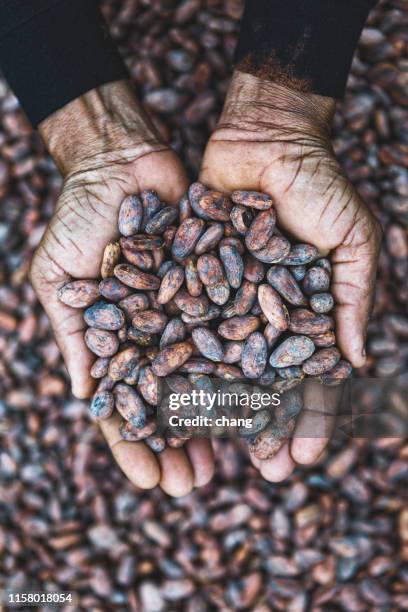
x=276, y=140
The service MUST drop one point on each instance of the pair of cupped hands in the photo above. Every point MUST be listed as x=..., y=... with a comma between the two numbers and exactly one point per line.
x=269, y=138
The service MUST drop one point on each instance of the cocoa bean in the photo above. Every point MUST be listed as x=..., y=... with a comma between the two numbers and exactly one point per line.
x=241, y=219
x=104, y=316
x=141, y=259
x=219, y=292
x=193, y=283
x=232, y=241
x=161, y=220
x=243, y=301
x=216, y=205
x=276, y=250
x=253, y=199
x=130, y=215
x=238, y=328
x=322, y=361
x=187, y=237
x=150, y=386
x=208, y=344
x=232, y=351
x=132, y=433
x=185, y=210
x=228, y=372
x=271, y=439
x=130, y=405
x=100, y=367
x=273, y=307
x=254, y=355
x=171, y=358
x=134, y=303
x=112, y=289
x=151, y=205
x=261, y=230
x=341, y=371
x=132, y=277
x=123, y=363
x=210, y=270
x=303, y=321
x=198, y=365
x=102, y=405
x=194, y=306
x=140, y=337
x=209, y=239
x=293, y=351
x=233, y=265
x=110, y=258
x=101, y=342
x=325, y=340
x=150, y=321
x=171, y=283
x=322, y=302
x=79, y=293
x=316, y=280
x=284, y=283
x=254, y=270
x=141, y=242
x=173, y=332
x=300, y=255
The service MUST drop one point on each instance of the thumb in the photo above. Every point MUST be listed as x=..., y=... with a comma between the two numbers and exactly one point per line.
x=68, y=326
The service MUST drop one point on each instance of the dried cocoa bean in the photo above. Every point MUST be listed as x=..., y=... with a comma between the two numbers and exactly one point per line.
x=193, y=283
x=304, y=321
x=79, y=293
x=173, y=332
x=261, y=230
x=300, y=255
x=194, y=306
x=132, y=277
x=161, y=220
x=130, y=215
x=187, y=237
x=322, y=361
x=254, y=355
x=316, y=280
x=232, y=351
x=253, y=199
x=233, y=265
x=150, y=321
x=241, y=219
x=112, y=289
x=322, y=302
x=171, y=358
x=273, y=307
x=216, y=205
x=123, y=363
x=284, y=283
x=130, y=405
x=102, y=405
x=209, y=239
x=171, y=283
x=101, y=342
x=133, y=304
x=276, y=250
x=238, y=328
x=293, y=351
x=208, y=344
x=104, y=316
x=111, y=257
x=150, y=386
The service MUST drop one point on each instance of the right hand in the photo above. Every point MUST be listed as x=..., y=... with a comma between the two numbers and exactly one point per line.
x=106, y=150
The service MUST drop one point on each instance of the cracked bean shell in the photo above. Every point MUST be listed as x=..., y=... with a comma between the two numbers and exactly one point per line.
x=254, y=355
x=292, y=351
x=283, y=282
x=101, y=342
x=171, y=358
x=79, y=293
x=273, y=307
x=132, y=277
x=253, y=199
x=130, y=405
x=322, y=361
x=261, y=230
x=104, y=316
x=207, y=343
x=150, y=321
x=216, y=205
x=238, y=328
x=170, y=284
x=187, y=237
x=233, y=265
x=123, y=362
x=241, y=219
x=130, y=215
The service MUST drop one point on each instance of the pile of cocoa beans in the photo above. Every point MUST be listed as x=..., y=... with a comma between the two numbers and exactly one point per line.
x=211, y=288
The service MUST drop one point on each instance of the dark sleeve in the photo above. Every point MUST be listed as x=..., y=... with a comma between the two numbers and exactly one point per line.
x=52, y=51
x=306, y=43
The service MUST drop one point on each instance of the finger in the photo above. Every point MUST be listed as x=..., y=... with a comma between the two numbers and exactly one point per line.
x=201, y=456
x=315, y=423
x=68, y=326
x=135, y=459
x=354, y=273
x=177, y=477
x=279, y=467
x=165, y=170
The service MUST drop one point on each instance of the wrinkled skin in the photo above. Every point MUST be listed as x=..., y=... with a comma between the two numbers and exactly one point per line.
x=85, y=220
x=276, y=141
